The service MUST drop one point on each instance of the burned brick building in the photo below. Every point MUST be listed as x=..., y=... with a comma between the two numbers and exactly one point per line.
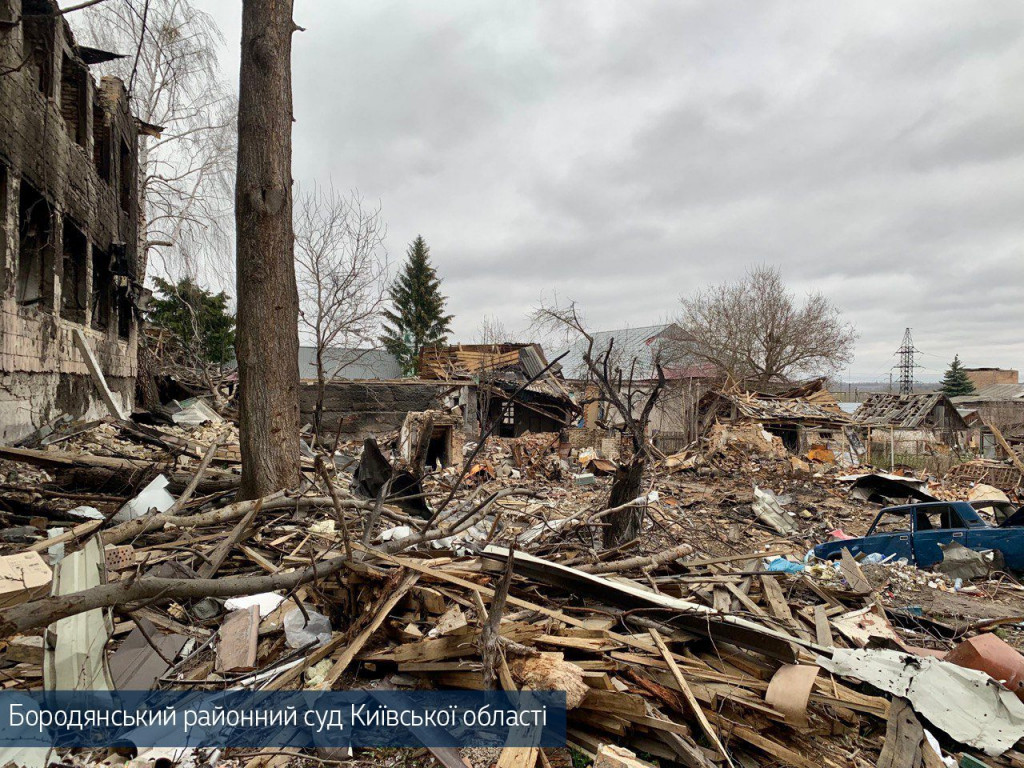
x=70, y=272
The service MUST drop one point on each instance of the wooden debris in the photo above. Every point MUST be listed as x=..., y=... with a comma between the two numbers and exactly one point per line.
x=23, y=577
x=236, y=646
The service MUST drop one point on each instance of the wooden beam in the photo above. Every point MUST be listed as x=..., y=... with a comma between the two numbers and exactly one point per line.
x=691, y=700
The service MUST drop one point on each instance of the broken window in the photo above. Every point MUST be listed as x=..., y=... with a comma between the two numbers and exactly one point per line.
x=124, y=313
x=936, y=518
x=37, y=50
x=35, y=249
x=101, y=148
x=74, y=278
x=439, y=446
x=892, y=523
x=74, y=95
x=102, y=287
x=127, y=178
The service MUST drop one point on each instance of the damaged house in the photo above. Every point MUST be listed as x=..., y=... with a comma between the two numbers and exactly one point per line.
x=489, y=375
x=912, y=425
x=364, y=394
x=70, y=270
x=635, y=353
x=998, y=405
x=805, y=420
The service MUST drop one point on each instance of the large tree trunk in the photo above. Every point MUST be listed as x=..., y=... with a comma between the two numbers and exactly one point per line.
x=267, y=339
x=625, y=524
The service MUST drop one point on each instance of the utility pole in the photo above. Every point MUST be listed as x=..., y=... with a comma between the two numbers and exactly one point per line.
x=906, y=364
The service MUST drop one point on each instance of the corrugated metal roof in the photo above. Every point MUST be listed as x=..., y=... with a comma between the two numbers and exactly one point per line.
x=350, y=363
x=629, y=344
x=994, y=393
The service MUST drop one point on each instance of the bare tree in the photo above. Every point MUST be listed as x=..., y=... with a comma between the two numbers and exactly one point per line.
x=267, y=339
x=754, y=330
x=624, y=382
x=492, y=331
x=187, y=147
x=342, y=272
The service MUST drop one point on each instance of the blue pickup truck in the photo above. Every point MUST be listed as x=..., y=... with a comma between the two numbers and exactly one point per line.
x=915, y=532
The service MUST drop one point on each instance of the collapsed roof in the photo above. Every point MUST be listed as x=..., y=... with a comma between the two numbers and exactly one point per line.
x=932, y=409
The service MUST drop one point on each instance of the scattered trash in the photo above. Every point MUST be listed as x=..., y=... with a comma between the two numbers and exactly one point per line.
x=153, y=496
x=305, y=630
x=195, y=412
x=267, y=602
x=769, y=510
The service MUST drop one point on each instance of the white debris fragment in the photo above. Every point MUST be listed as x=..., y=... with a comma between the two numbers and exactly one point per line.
x=966, y=704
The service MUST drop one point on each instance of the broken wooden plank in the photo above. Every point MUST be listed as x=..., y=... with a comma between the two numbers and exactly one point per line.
x=236, y=646
x=822, y=627
x=854, y=576
x=349, y=654
x=698, y=712
x=903, y=737
x=115, y=407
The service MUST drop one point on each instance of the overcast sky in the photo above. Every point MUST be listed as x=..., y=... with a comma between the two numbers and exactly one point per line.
x=622, y=154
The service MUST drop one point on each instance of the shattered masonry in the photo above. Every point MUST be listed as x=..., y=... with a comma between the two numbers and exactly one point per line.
x=69, y=258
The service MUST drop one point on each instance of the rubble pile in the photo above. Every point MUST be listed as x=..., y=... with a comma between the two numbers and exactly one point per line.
x=712, y=639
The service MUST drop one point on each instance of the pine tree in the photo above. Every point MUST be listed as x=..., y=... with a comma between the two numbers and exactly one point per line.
x=417, y=317
x=955, y=381
x=198, y=319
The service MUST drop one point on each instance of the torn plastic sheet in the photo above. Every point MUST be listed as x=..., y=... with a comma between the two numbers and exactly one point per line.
x=768, y=507
x=153, y=496
x=967, y=705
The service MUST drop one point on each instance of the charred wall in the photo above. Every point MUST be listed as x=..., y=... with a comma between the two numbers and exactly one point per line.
x=68, y=225
x=367, y=408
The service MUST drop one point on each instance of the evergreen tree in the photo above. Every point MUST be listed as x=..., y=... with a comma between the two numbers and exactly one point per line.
x=955, y=381
x=416, y=318
x=200, y=320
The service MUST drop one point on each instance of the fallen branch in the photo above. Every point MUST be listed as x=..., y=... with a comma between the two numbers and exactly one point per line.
x=182, y=500
x=278, y=500
x=41, y=613
x=641, y=561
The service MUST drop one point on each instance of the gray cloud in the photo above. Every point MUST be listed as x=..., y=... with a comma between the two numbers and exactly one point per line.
x=623, y=154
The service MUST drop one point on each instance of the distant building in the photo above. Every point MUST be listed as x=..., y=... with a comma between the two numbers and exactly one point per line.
x=351, y=364
x=999, y=405
x=635, y=351
x=913, y=424
x=488, y=375
x=983, y=378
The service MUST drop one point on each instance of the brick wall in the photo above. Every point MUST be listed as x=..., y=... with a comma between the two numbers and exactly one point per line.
x=53, y=154
x=988, y=377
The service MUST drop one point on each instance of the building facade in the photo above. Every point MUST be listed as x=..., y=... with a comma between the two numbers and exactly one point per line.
x=983, y=378
x=70, y=268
